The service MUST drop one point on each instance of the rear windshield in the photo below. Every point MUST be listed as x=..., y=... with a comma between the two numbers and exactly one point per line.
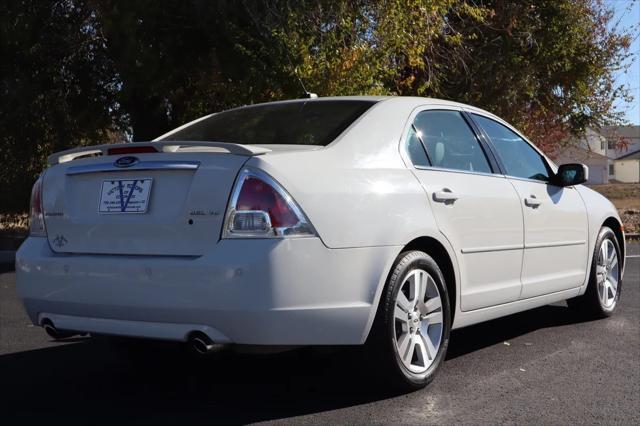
x=292, y=123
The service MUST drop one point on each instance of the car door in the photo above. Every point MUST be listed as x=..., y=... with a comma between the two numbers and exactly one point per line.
x=555, y=218
x=475, y=208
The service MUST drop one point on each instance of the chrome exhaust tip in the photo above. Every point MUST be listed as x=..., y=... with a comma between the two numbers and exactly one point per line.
x=201, y=344
x=53, y=332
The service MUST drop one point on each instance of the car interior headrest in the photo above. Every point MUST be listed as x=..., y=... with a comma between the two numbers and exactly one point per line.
x=439, y=153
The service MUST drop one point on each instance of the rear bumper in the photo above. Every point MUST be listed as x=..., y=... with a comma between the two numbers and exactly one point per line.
x=270, y=292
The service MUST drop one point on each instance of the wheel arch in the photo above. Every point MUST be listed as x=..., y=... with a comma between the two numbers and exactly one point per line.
x=436, y=246
x=439, y=253
x=617, y=229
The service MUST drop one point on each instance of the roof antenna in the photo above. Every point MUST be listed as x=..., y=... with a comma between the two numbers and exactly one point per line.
x=305, y=94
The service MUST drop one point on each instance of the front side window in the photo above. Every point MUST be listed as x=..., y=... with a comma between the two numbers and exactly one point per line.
x=518, y=157
x=313, y=122
x=450, y=142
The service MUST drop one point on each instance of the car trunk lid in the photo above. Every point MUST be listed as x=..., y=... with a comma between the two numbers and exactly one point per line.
x=165, y=203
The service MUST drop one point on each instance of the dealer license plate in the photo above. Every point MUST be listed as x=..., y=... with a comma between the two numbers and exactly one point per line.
x=125, y=195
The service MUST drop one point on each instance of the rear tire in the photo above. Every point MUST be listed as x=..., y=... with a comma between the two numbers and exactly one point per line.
x=411, y=330
x=605, y=279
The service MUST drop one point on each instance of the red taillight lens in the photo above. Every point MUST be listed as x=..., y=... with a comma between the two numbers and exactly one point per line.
x=258, y=195
x=131, y=150
x=261, y=208
x=36, y=222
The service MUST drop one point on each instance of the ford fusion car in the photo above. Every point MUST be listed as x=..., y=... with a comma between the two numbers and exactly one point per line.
x=385, y=221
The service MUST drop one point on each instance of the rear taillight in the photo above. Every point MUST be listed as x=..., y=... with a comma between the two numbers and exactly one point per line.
x=36, y=222
x=261, y=208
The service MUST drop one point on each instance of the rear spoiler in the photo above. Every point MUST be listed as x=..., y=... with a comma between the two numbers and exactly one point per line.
x=159, y=146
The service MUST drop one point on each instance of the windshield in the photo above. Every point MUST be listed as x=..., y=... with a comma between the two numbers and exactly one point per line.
x=314, y=122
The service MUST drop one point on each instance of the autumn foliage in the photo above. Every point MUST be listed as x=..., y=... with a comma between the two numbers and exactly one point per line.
x=81, y=71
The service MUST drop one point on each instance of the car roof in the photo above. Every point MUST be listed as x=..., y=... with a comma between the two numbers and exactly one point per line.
x=373, y=99
x=393, y=102
x=413, y=101
x=370, y=98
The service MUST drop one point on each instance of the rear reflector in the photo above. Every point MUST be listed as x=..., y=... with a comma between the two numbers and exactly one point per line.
x=131, y=150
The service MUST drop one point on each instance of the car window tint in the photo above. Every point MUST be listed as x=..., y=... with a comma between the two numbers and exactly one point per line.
x=518, y=157
x=314, y=122
x=450, y=142
x=415, y=149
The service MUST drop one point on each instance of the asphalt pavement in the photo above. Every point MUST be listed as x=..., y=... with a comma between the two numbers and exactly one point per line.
x=544, y=366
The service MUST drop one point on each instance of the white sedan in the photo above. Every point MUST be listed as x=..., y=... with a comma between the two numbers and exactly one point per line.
x=386, y=221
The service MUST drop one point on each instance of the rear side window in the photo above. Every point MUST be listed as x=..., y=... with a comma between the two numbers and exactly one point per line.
x=450, y=142
x=518, y=157
x=313, y=122
x=415, y=149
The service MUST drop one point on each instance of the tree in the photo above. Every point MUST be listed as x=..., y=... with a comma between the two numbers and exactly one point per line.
x=546, y=66
x=180, y=60
x=57, y=88
x=83, y=71
x=395, y=47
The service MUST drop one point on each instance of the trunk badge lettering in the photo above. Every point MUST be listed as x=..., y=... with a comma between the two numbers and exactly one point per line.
x=204, y=213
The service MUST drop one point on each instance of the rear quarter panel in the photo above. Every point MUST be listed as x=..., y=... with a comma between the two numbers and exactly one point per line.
x=357, y=192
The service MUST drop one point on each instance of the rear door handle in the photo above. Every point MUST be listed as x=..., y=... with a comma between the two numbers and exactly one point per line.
x=532, y=201
x=444, y=196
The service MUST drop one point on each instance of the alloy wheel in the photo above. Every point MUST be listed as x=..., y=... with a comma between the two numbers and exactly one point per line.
x=418, y=321
x=607, y=272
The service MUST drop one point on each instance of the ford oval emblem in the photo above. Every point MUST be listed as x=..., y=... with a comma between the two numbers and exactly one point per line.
x=126, y=161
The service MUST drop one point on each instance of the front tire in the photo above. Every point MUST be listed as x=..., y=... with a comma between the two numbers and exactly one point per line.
x=411, y=331
x=605, y=279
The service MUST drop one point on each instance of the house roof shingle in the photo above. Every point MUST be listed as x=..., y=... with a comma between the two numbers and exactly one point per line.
x=575, y=153
x=632, y=132
x=630, y=156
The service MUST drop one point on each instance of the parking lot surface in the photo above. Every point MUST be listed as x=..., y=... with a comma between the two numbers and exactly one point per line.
x=542, y=366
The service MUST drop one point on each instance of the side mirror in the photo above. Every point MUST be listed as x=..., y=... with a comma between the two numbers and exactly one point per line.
x=571, y=174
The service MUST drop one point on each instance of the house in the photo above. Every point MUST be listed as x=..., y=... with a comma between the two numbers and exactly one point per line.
x=621, y=161
x=627, y=168
x=630, y=134
x=598, y=164
x=626, y=159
